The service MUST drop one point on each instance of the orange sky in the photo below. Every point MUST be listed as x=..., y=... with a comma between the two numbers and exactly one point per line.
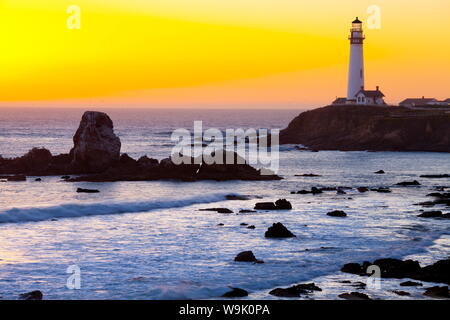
x=227, y=53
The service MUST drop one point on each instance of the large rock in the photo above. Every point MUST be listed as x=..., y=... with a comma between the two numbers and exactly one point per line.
x=247, y=256
x=370, y=128
x=96, y=147
x=278, y=230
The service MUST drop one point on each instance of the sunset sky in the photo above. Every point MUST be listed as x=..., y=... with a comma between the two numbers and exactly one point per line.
x=223, y=53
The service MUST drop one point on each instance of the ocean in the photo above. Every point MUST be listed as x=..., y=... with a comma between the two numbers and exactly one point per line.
x=148, y=240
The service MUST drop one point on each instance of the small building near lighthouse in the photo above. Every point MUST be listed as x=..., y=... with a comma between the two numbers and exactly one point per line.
x=356, y=93
x=370, y=97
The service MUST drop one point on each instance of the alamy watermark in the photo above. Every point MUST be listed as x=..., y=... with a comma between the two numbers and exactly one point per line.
x=74, y=20
x=259, y=148
x=74, y=280
x=374, y=18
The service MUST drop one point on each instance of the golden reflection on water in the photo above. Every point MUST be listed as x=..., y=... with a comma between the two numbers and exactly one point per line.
x=10, y=253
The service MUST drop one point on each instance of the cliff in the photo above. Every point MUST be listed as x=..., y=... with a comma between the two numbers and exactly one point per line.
x=370, y=128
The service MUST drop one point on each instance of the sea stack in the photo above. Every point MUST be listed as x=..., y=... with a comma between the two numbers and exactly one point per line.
x=96, y=147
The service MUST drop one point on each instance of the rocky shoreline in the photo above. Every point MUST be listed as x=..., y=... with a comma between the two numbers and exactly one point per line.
x=96, y=156
x=373, y=128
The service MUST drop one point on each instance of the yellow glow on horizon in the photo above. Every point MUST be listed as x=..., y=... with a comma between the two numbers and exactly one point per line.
x=188, y=51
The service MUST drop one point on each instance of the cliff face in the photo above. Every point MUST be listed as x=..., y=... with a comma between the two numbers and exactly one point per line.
x=370, y=128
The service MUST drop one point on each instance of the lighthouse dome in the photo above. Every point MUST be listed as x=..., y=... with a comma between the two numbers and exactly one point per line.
x=357, y=20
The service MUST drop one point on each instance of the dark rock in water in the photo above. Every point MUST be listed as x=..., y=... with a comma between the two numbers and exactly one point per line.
x=220, y=224
x=367, y=128
x=354, y=268
x=244, y=224
x=308, y=175
x=340, y=191
x=287, y=293
x=38, y=179
x=280, y=204
x=247, y=256
x=278, y=230
x=65, y=177
x=329, y=188
x=283, y=204
x=32, y=295
x=380, y=172
x=265, y=206
x=435, y=176
x=235, y=293
x=315, y=190
x=410, y=284
x=82, y=190
x=345, y=281
x=437, y=292
x=439, y=195
x=236, y=197
x=218, y=210
x=438, y=272
x=224, y=210
x=431, y=214
x=246, y=211
x=381, y=190
x=401, y=293
x=337, y=213
x=359, y=285
x=295, y=291
x=96, y=147
x=408, y=183
x=308, y=286
x=251, y=227
x=363, y=189
x=354, y=296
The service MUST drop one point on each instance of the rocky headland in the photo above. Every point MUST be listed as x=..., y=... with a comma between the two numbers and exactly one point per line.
x=374, y=128
x=95, y=156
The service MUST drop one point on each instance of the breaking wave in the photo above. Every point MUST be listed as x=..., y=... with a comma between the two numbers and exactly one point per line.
x=16, y=215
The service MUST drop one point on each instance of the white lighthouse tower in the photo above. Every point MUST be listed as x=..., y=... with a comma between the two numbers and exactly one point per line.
x=356, y=67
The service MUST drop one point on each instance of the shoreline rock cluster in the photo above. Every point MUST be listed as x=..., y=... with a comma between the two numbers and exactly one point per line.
x=96, y=157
